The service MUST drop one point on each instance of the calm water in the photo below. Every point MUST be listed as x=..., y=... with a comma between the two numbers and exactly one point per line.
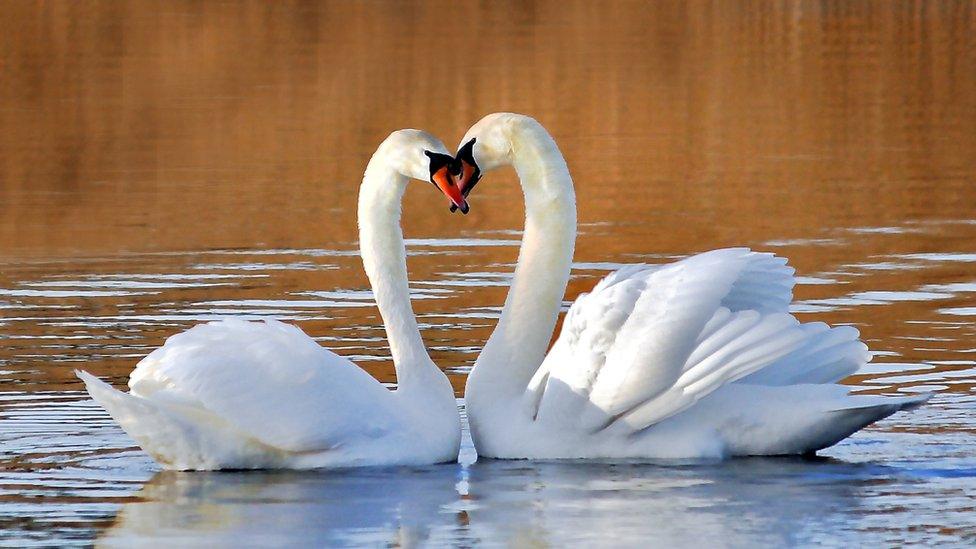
x=162, y=164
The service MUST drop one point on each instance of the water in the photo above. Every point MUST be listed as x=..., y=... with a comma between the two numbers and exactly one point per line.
x=163, y=166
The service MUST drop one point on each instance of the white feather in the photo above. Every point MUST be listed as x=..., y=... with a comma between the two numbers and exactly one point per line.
x=696, y=358
x=237, y=394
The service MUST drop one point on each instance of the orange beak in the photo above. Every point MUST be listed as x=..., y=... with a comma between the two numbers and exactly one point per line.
x=448, y=185
x=467, y=172
x=470, y=175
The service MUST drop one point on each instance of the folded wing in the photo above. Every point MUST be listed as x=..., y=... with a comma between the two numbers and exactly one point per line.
x=268, y=380
x=650, y=341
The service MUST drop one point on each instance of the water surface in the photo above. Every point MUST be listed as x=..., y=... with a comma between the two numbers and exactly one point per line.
x=162, y=165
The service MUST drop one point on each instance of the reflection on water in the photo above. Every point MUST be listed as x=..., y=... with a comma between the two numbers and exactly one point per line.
x=162, y=166
x=744, y=503
x=371, y=507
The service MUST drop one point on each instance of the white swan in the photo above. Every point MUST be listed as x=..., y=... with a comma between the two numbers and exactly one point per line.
x=698, y=358
x=238, y=394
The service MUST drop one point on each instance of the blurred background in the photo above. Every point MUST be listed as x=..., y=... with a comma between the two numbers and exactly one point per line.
x=163, y=163
x=137, y=126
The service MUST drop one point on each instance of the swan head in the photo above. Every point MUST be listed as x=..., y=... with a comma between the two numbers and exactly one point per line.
x=443, y=172
x=485, y=147
x=419, y=155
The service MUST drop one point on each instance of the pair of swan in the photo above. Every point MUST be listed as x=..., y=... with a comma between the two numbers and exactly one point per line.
x=698, y=358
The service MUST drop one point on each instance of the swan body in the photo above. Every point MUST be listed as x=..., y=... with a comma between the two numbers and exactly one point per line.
x=698, y=358
x=238, y=394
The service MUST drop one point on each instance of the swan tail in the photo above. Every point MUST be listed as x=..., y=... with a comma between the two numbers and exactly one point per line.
x=763, y=420
x=859, y=412
x=166, y=435
x=140, y=418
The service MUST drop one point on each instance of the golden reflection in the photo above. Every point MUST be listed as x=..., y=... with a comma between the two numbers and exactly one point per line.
x=161, y=126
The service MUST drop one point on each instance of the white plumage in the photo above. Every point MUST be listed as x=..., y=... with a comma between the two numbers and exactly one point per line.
x=241, y=395
x=696, y=358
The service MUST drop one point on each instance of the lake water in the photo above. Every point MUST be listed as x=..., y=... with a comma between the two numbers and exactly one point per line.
x=165, y=164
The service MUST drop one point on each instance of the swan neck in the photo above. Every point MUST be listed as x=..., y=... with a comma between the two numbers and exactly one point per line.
x=519, y=342
x=384, y=259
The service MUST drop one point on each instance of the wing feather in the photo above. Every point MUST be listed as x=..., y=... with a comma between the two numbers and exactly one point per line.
x=649, y=341
x=267, y=379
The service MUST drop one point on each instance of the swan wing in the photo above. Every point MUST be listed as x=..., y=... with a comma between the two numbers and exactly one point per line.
x=765, y=284
x=649, y=341
x=268, y=380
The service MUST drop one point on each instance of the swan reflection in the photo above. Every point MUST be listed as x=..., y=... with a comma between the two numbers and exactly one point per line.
x=391, y=506
x=737, y=503
x=770, y=501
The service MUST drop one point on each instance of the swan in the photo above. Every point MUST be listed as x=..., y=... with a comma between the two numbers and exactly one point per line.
x=695, y=359
x=235, y=394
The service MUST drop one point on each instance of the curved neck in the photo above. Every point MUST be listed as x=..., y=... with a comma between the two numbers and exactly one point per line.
x=519, y=342
x=384, y=259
